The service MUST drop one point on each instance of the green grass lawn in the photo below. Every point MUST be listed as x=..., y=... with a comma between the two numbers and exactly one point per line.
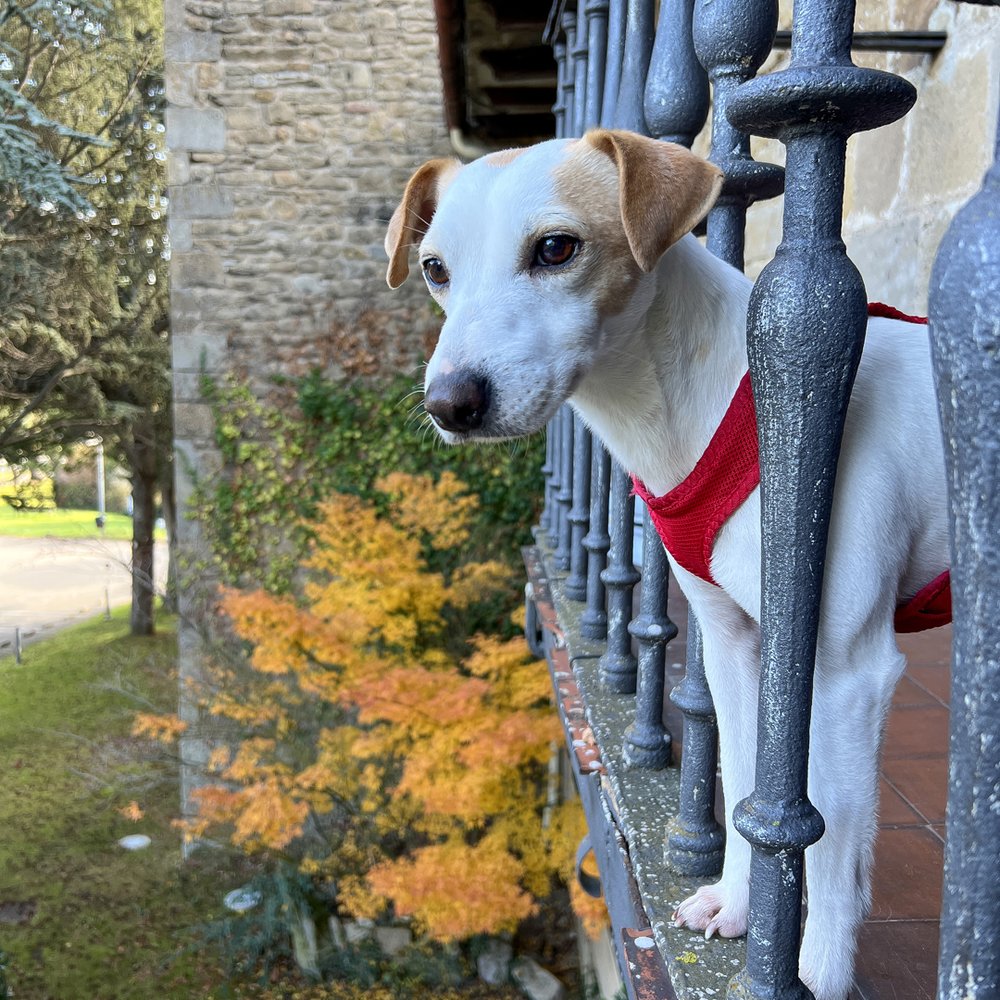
x=91, y=920
x=63, y=524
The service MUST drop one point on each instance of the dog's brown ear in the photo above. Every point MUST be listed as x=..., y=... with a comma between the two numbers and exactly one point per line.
x=413, y=215
x=665, y=190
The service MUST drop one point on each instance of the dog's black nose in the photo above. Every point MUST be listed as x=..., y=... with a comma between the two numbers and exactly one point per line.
x=458, y=401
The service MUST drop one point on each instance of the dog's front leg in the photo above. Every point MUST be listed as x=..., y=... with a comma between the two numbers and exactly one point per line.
x=853, y=688
x=732, y=666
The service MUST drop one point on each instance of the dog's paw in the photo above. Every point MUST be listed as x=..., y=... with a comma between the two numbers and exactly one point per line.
x=715, y=909
x=828, y=985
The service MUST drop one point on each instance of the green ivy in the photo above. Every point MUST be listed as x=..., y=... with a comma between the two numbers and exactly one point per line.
x=282, y=460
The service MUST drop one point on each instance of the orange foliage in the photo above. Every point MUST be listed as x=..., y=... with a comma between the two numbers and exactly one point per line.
x=454, y=886
x=162, y=728
x=420, y=760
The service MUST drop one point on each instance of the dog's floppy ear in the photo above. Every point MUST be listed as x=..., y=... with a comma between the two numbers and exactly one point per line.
x=665, y=190
x=413, y=215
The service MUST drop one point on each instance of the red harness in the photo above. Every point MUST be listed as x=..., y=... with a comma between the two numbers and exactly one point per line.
x=689, y=517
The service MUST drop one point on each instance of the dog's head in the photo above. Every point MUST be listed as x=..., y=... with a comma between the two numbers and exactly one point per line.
x=533, y=254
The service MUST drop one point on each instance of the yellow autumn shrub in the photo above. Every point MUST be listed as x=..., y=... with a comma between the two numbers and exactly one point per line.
x=399, y=760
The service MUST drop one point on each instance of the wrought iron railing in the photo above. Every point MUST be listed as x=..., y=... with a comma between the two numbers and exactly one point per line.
x=617, y=69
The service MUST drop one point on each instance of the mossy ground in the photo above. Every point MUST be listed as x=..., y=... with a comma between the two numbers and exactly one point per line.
x=81, y=918
x=85, y=918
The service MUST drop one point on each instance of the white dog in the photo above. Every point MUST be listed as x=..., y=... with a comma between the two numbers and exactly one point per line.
x=567, y=272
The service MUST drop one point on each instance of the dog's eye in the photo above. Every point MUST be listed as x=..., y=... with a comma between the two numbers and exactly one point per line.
x=437, y=273
x=550, y=251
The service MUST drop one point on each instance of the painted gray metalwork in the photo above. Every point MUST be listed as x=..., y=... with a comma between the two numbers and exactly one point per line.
x=965, y=343
x=579, y=513
x=618, y=665
x=597, y=47
x=544, y=518
x=564, y=497
x=676, y=104
x=695, y=839
x=569, y=77
x=616, y=53
x=806, y=327
x=559, y=108
x=732, y=42
x=580, y=70
x=635, y=64
x=554, y=485
x=647, y=741
x=594, y=620
x=676, y=97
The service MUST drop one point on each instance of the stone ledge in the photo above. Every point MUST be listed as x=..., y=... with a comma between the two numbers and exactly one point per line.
x=631, y=804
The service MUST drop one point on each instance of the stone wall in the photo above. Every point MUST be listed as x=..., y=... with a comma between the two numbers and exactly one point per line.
x=905, y=182
x=292, y=127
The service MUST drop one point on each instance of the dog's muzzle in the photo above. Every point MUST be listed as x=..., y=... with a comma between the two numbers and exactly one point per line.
x=458, y=401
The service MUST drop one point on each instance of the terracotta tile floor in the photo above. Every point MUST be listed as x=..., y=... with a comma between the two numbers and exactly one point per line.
x=898, y=947
x=899, y=942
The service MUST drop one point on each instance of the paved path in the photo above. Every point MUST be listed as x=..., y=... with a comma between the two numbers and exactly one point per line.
x=47, y=583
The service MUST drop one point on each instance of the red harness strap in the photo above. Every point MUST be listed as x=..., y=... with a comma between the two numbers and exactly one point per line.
x=689, y=517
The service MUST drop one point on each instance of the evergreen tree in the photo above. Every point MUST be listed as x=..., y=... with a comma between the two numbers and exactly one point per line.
x=83, y=251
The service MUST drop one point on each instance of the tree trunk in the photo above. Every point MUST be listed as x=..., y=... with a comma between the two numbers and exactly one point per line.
x=169, y=503
x=142, y=454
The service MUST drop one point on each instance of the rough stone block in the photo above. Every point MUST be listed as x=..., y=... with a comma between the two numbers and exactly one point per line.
x=535, y=982
x=393, y=940
x=493, y=963
x=201, y=201
x=201, y=129
x=193, y=421
x=192, y=46
x=180, y=234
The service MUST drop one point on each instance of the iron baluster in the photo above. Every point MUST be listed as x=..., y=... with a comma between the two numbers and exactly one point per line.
x=635, y=64
x=732, y=43
x=580, y=60
x=676, y=96
x=676, y=107
x=564, y=497
x=806, y=327
x=618, y=664
x=559, y=108
x=616, y=53
x=594, y=620
x=695, y=840
x=597, y=50
x=569, y=79
x=965, y=345
x=579, y=513
x=647, y=741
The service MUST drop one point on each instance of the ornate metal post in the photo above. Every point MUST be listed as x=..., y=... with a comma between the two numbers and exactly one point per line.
x=613, y=70
x=695, y=840
x=618, y=665
x=552, y=469
x=569, y=79
x=597, y=52
x=579, y=513
x=647, y=742
x=594, y=621
x=965, y=343
x=564, y=498
x=731, y=43
x=559, y=108
x=635, y=63
x=806, y=326
x=580, y=69
x=676, y=96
